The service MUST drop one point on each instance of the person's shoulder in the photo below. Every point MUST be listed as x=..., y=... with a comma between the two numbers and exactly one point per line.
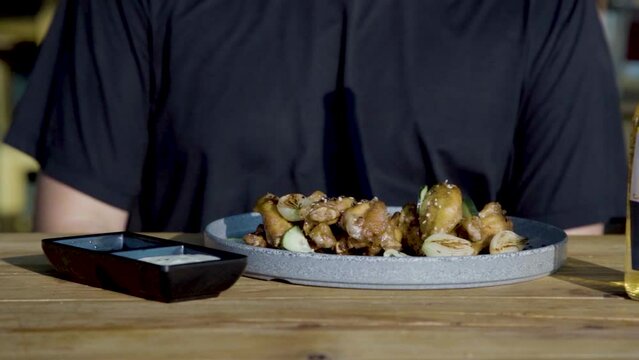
x=552, y=22
x=553, y=11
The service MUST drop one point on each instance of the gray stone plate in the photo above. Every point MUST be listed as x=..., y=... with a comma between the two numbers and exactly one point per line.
x=545, y=253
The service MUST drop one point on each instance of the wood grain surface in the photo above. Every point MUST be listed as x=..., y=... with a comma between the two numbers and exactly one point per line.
x=580, y=312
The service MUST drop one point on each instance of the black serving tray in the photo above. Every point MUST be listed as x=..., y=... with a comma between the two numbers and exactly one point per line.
x=124, y=262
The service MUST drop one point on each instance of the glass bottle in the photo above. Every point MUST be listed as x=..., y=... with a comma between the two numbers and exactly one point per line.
x=631, y=277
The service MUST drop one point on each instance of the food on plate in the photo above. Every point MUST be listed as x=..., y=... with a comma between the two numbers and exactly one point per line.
x=443, y=222
x=275, y=225
x=443, y=244
x=506, y=241
x=440, y=210
x=294, y=240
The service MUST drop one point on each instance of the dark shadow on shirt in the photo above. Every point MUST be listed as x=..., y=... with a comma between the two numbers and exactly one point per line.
x=343, y=159
x=596, y=277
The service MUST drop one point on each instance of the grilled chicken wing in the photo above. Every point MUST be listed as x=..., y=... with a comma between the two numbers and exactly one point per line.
x=368, y=225
x=442, y=210
x=274, y=224
x=407, y=221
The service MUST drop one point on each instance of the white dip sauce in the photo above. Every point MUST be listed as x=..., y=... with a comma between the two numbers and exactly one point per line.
x=179, y=259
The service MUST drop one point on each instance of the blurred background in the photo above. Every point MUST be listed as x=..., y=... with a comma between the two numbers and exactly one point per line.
x=23, y=25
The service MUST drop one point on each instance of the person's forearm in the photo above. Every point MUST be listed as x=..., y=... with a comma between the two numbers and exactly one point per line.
x=60, y=208
x=592, y=229
x=76, y=223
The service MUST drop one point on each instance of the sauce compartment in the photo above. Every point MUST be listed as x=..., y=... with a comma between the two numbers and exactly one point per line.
x=144, y=266
x=169, y=256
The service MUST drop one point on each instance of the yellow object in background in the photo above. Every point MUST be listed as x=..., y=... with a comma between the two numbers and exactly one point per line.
x=15, y=166
x=631, y=276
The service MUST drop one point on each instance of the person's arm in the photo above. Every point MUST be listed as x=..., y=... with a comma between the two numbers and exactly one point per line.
x=60, y=208
x=84, y=115
x=592, y=229
x=569, y=161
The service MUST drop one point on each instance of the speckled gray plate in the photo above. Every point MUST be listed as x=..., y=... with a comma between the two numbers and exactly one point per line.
x=545, y=253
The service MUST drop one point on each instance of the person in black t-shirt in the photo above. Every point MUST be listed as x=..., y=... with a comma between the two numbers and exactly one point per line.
x=163, y=115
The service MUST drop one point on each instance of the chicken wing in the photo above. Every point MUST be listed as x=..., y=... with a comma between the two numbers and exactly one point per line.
x=274, y=224
x=442, y=210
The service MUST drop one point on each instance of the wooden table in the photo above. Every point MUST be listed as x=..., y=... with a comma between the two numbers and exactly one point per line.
x=581, y=312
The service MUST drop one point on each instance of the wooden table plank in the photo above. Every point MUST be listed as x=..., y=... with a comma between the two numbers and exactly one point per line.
x=199, y=343
x=581, y=312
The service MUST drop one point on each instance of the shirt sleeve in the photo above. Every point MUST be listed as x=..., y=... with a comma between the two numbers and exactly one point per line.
x=569, y=162
x=85, y=111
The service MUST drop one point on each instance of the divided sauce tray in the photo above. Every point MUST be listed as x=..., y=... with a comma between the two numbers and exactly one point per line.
x=144, y=266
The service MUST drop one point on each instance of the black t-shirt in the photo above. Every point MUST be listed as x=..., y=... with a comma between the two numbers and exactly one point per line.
x=186, y=111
